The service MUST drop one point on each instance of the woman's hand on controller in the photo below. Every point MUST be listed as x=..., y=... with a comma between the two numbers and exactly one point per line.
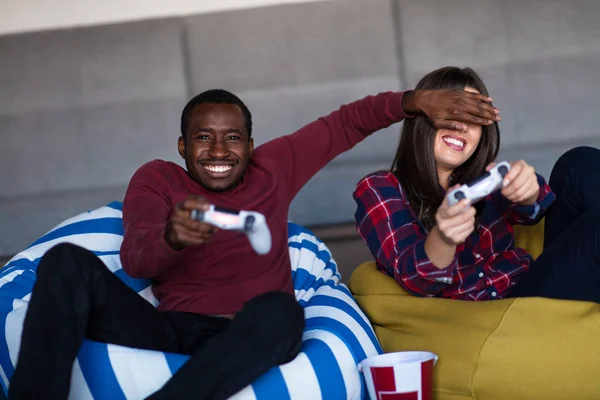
x=455, y=223
x=183, y=231
x=520, y=184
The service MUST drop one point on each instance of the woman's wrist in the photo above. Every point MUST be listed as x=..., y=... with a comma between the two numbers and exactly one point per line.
x=440, y=251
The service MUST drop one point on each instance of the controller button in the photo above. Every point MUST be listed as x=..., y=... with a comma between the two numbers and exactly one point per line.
x=249, y=223
x=494, y=294
x=459, y=195
x=502, y=170
x=197, y=215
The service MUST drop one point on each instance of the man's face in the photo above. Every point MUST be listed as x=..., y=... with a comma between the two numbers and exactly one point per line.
x=217, y=148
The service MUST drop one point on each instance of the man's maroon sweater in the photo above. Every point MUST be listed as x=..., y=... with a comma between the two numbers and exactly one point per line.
x=220, y=276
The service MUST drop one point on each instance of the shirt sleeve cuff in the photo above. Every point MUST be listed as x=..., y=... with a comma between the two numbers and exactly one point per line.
x=530, y=211
x=427, y=270
x=403, y=113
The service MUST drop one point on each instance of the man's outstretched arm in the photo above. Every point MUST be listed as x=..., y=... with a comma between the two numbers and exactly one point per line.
x=303, y=153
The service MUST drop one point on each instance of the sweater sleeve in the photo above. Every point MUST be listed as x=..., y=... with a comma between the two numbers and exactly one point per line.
x=517, y=214
x=393, y=236
x=303, y=153
x=146, y=209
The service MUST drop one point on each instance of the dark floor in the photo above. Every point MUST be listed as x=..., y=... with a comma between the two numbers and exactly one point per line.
x=348, y=249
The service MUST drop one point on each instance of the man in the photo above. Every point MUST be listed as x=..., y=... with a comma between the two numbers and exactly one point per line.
x=230, y=308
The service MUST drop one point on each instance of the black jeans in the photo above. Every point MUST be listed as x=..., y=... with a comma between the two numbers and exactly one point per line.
x=75, y=297
x=569, y=266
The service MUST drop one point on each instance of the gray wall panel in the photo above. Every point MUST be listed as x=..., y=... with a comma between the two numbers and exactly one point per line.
x=291, y=45
x=131, y=62
x=41, y=151
x=39, y=71
x=119, y=137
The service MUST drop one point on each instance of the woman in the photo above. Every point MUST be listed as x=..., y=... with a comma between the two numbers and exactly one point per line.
x=466, y=251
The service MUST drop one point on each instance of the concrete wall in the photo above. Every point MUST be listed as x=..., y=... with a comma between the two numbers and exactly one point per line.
x=81, y=109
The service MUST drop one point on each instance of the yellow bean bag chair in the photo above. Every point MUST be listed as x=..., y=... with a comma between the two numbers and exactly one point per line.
x=509, y=349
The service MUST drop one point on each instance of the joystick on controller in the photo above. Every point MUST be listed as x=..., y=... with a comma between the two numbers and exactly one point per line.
x=252, y=223
x=481, y=187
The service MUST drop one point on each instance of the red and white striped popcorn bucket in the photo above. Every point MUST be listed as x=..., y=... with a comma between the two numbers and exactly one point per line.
x=405, y=375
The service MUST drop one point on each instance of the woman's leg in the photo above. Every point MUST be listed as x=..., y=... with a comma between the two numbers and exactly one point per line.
x=575, y=180
x=569, y=267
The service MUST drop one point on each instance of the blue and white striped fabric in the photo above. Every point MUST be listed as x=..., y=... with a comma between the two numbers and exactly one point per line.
x=337, y=336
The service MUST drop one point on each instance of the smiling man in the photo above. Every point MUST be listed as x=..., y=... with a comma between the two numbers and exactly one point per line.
x=233, y=310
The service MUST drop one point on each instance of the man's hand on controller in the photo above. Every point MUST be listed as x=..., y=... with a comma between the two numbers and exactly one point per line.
x=182, y=231
x=451, y=108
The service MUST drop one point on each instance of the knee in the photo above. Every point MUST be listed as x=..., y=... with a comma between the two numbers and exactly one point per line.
x=280, y=312
x=575, y=164
x=60, y=261
x=578, y=156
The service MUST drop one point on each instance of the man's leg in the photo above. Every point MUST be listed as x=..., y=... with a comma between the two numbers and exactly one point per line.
x=76, y=296
x=267, y=332
x=575, y=179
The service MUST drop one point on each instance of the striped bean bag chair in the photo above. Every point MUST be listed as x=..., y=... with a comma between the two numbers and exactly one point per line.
x=337, y=336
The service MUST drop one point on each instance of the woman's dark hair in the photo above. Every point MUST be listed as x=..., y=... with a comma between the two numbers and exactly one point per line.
x=414, y=163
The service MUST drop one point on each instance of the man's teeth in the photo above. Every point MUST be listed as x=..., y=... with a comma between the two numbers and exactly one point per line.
x=454, y=141
x=218, y=168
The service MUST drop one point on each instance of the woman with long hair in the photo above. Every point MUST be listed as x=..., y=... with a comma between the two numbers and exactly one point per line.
x=467, y=251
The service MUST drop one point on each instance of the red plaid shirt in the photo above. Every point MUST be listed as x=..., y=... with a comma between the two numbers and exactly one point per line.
x=484, y=267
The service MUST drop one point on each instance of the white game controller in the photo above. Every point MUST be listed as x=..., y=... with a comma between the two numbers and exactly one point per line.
x=252, y=223
x=482, y=186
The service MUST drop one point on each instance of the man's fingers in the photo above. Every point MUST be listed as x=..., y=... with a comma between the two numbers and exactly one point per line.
x=481, y=110
x=463, y=115
x=478, y=96
x=189, y=237
x=183, y=219
x=191, y=228
x=194, y=204
x=450, y=125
